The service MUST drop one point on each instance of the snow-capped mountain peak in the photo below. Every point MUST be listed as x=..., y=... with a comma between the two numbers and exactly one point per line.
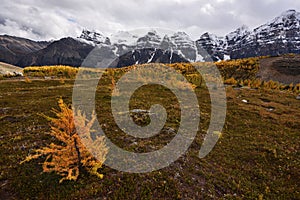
x=213, y=44
x=278, y=36
x=288, y=19
x=238, y=33
x=122, y=42
x=181, y=39
x=288, y=15
x=94, y=36
x=124, y=37
x=211, y=39
x=150, y=40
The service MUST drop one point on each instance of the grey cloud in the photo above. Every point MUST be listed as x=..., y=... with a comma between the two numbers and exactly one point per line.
x=2, y=21
x=41, y=19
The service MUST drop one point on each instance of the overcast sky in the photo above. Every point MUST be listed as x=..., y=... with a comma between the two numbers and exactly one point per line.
x=51, y=19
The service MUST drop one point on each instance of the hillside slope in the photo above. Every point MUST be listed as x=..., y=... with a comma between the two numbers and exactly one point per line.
x=13, y=48
x=6, y=69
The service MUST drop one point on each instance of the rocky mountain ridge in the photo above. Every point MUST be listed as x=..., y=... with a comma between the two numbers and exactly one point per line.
x=279, y=36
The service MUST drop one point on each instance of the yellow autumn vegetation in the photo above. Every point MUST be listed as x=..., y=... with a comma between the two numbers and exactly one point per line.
x=57, y=71
x=70, y=155
x=234, y=72
x=259, y=84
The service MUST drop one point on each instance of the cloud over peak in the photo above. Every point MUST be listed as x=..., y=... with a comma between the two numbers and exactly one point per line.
x=45, y=20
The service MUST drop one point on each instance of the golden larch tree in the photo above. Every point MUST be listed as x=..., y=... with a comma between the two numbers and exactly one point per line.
x=70, y=156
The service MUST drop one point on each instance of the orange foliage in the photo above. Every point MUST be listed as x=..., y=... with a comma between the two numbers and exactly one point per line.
x=71, y=156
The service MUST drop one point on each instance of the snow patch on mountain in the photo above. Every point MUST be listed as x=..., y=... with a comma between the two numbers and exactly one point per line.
x=124, y=37
x=237, y=35
x=125, y=41
x=94, y=36
x=278, y=36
